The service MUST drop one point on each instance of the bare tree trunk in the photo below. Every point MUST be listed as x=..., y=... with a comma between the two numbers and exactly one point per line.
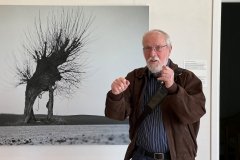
x=50, y=103
x=30, y=97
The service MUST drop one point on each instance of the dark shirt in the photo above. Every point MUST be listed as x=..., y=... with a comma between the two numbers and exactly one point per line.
x=151, y=133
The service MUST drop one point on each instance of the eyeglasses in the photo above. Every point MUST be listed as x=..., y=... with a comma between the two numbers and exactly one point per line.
x=157, y=48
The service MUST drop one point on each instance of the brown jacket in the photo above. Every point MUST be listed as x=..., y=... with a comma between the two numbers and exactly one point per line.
x=182, y=109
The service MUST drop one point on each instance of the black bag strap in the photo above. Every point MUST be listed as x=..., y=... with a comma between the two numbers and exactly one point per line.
x=156, y=99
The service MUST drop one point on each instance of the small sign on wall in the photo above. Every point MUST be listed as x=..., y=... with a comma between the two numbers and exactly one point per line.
x=198, y=67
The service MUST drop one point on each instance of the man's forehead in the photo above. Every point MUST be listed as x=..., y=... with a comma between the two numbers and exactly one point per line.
x=154, y=37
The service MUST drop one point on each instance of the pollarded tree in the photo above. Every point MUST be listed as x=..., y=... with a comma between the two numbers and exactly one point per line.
x=56, y=48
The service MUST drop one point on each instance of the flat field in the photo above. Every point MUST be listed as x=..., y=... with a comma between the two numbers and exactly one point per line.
x=64, y=134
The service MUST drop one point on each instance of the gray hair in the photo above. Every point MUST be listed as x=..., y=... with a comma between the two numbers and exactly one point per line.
x=167, y=37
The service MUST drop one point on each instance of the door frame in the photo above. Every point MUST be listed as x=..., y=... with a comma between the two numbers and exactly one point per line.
x=215, y=80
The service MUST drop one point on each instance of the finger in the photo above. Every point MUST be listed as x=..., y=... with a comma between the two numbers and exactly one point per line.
x=125, y=85
x=123, y=82
x=116, y=86
x=164, y=67
x=127, y=82
x=117, y=89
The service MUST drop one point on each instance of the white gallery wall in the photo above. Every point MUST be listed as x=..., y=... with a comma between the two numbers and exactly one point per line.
x=189, y=23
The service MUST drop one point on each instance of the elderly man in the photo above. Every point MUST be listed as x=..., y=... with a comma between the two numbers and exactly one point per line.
x=170, y=129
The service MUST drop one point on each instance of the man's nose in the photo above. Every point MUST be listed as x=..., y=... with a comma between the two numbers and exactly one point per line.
x=153, y=52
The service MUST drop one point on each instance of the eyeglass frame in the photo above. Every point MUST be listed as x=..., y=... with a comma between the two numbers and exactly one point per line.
x=157, y=48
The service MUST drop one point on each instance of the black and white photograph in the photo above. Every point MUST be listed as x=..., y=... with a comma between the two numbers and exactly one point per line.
x=57, y=64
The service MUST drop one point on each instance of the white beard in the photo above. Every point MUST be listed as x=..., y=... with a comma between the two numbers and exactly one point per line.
x=154, y=68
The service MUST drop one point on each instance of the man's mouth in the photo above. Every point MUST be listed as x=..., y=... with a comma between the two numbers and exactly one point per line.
x=154, y=61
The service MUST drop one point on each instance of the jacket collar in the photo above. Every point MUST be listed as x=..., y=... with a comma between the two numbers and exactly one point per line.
x=172, y=65
x=142, y=72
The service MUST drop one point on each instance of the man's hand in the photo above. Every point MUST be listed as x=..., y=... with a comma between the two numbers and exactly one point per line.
x=119, y=85
x=167, y=76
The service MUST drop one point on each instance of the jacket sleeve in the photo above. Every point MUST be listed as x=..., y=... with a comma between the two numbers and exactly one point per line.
x=118, y=106
x=188, y=103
